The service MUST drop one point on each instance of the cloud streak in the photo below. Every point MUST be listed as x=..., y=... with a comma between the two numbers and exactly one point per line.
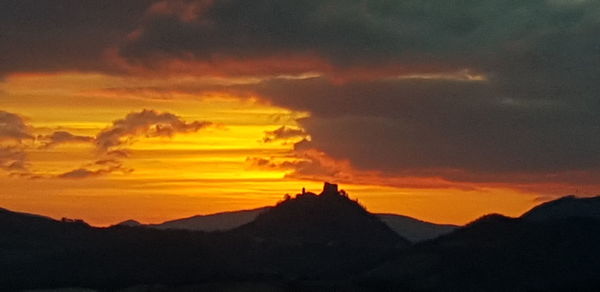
x=63, y=137
x=110, y=142
x=284, y=133
x=96, y=169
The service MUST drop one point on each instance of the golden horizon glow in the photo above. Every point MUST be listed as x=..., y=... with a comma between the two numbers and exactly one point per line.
x=189, y=173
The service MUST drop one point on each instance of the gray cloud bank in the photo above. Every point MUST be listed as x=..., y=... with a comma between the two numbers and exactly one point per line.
x=399, y=105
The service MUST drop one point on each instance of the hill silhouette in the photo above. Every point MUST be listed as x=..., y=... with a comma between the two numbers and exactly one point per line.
x=38, y=252
x=565, y=207
x=415, y=230
x=328, y=218
x=129, y=223
x=409, y=228
x=498, y=253
x=324, y=242
x=214, y=222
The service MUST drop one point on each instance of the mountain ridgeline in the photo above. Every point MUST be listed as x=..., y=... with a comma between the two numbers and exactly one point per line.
x=306, y=211
x=328, y=218
x=325, y=242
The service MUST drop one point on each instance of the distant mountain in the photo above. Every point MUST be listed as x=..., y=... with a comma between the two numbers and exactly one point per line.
x=565, y=207
x=214, y=222
x=24, y=222
x=413, y=229
x=129, y=223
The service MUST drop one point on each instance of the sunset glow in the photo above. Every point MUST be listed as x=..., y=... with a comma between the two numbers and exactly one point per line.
x=178, y=108
x=194, y=173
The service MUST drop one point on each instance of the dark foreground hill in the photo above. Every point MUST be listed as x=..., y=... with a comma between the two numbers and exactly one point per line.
x=323, y=242
x=497, y=253
x=566, y=207
x=328, y=239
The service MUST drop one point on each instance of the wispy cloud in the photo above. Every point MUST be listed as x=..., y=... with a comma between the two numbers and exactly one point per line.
x=147, y=123
x=63, y=137
x=284, y=133
x=98, y=168
x=110, y=143
x=13, y=128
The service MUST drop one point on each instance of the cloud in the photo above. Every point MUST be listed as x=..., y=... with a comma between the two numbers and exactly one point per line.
x=12, y=158
x=283, y=133
x=447, y=128
x=147, y=123
x=345, y=36
x=527, y=105
x=110, y=142
x=63, y=137
x=63, y=35
x=312, y=164
x=467, y=90
x=13, y=128
x=98, y=168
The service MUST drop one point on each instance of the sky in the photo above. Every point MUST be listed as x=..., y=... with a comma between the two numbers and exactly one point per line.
x=155, y=110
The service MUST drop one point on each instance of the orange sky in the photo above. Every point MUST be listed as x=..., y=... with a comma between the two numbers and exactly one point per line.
x=160, y=109
x=197, y=172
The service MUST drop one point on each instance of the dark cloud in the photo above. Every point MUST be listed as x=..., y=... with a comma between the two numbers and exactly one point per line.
x=283, y=133
x=424, y=126
x=423, y=35
x=60, y=35
x=63, y=137
x=531, y=108
x=147, y=123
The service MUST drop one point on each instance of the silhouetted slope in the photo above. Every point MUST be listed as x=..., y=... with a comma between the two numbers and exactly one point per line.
x=37, y=252
x=129, y=223
x=213, y=222
x=413, y=229
x=569, y=206
x=496, y=253
x=329, y=218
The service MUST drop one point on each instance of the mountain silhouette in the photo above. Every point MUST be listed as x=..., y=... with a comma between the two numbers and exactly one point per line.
x=330, y=218
x=129, y=223
x=412, y=229
x=498, y=253
x=565, y=207
x=415, y=230
x=325, y=242
x=323, y=238
x=214, y=222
